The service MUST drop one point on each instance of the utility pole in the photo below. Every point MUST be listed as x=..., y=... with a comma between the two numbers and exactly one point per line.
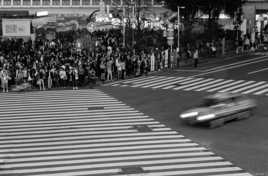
x=178, y=29
x=124, y=28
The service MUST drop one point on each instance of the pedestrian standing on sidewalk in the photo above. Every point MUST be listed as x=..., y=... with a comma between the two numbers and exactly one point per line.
x=196, y=57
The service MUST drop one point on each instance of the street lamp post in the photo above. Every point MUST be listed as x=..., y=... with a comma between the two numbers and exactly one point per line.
x=178, y=29
x=179, y=22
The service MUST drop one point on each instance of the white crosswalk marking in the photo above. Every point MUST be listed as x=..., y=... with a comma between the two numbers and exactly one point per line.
x=171, y=85
x=247, y=87
x=261, y=92
x=205, y=84
x=237, y=86
x=255, y=89
x=226, y=85
x=197, y=84
x=174, y=81
x=214, y=85
x=146, y=82
x=192, y=84
x=86, y=132
x=163, y=82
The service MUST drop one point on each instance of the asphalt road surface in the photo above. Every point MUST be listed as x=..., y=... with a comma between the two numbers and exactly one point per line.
x=245, y=142
x=131, y=127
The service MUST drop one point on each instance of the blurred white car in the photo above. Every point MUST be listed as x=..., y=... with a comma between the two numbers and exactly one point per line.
x=220, y=108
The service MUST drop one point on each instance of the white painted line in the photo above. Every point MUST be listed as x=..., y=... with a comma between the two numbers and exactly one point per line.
x=257, y=71
x=214, y=85
x=171, y=85
x=138, y=79
x=226, y=85
x=149, y=82
x=184, y=166
x=92, y=160
x=79, y=116
x=65, y=130
x=110, y=154
x=91, y=137
x=114, y=164
x=261, y=92
x=236, y=63
x=248, y=87
x=229, y=68
x=80, y=149
x=97, y=143
x=188, y=82
x=82, y=125
x=168, y=79
x=233, y=174
x=191, y=171
x=255, y=89
x=237, y=86
x=204, y=84
x=192, y=84
x=59, y=120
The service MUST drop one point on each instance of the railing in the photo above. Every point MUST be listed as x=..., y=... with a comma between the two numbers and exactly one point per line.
x=69, y=3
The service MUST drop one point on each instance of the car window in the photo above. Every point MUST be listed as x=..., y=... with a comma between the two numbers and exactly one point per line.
x=209, y=102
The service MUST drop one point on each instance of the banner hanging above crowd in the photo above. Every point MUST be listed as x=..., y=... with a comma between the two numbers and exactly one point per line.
x=16, y=27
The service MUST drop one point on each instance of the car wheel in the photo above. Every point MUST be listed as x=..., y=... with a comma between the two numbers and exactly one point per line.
x=245, y=114
x=216, y=123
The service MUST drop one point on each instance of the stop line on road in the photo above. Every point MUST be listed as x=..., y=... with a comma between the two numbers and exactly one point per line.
x=196, y=84
x=86, y=132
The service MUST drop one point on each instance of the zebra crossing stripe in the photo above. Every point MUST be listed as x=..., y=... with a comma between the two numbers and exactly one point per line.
x=247, y=87
x=192, y=171
x=149, y=82
x=192, y=84
x=205, y=84
x=113, y=164
x=255, y=89
x=168, y=83
x=208, y=81
x=226, y=85
x=187, y=83
x=146, y=79
x=70, y=139
x=174, y=166
x=162, y=82
x=171, y=85
x=237, y=86
x=261, y=92
x=214, y=85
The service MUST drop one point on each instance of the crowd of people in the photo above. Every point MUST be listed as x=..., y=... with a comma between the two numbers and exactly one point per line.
x=48, y=64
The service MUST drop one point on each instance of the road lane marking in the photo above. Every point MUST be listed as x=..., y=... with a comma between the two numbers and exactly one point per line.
x=188, y=86
x=148, y=82
x=237, y=86
x=248, y=87
x=257, y=71
x=75, y=140
x=205, y=84
x=169, y=83
x=160, y=82
x=229, y=68
x=236, y=63
x=226, y=85
x=255, y=89
x=261, y=92
x=214, y=85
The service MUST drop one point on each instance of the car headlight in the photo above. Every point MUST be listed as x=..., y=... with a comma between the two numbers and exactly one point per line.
x=190, y=114
x=206, y=117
